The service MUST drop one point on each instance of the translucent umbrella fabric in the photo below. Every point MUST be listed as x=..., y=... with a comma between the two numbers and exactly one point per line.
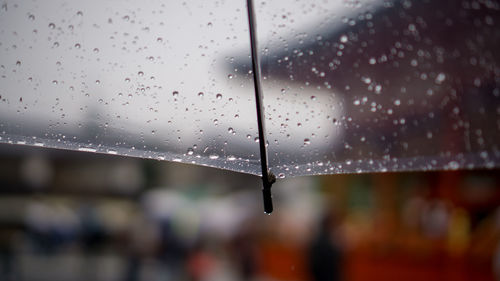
x=349, y=86
x=137, y=78
x=376, y=86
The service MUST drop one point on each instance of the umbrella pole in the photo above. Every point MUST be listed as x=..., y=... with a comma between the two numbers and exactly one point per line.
x=267, y=176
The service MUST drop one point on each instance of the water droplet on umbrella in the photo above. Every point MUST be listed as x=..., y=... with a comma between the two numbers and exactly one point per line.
x=31, y=17
x=52, y=26
x=140, y=73
x=190, y=151
x=218, y=96
x=440, y=78
x=453, y=165
x=213, y=156
x=230, y=76
x=87, y=149
x=307, y=141
x=200, y=94
x=77, y=45
x=96, y=50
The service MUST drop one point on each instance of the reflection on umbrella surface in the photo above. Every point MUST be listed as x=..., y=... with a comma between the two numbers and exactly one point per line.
x=351, y=86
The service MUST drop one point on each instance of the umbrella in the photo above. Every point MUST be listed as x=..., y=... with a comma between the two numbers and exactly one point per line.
x=351, y=86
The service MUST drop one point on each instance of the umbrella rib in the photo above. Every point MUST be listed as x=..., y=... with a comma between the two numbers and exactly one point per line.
x=267, y=177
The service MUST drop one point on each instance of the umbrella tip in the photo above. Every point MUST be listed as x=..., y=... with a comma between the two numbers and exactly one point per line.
x=266, y=192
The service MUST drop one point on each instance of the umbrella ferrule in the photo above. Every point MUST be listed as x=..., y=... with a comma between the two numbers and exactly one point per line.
x=266, y=192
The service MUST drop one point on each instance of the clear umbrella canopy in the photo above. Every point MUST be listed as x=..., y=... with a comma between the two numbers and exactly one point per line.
x=348, y=86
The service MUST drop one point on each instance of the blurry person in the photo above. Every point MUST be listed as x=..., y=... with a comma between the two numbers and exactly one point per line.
x=244, y=251
x=325, y=253
x=200, y=263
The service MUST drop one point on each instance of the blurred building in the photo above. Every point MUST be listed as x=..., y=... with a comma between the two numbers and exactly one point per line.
x=81, y=216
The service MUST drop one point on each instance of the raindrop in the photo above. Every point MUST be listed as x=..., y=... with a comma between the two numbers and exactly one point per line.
x=256, y=139
x=54, y=82
x=216, y=122
x=140, y=73
x=96, y=50
x=175, y=94
x=230, y=130
x=190, y=151
x=79, y=13
x=87, y=149
x=313, y=97
x=159, y=39
x=218, y=96
x=200, y=94
x=213, y=156
x=281, y=175
x=230, y=76
x=31, y=17
x=307, y=141
x=78, y=46
x=397, y=102
x=440, y=78
x=18, y=63
x=453, y=165
x=127, y=80
x=249, y=136
x=231, y=158
x=52, y=26
x=97, y=82
x=344, y=38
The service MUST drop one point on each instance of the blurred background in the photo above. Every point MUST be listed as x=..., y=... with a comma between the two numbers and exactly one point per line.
x=83, y=216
